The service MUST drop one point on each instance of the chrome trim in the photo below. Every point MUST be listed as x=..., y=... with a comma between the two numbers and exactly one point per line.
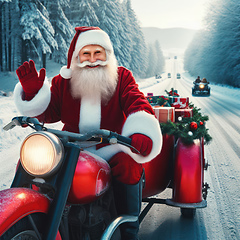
x=201, y=204
x=57, y=146
x=113, y=226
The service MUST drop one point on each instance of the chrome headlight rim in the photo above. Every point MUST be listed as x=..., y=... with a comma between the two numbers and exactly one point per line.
x=57, y=147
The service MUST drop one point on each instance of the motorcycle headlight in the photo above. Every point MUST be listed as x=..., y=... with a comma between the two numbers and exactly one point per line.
x=201, y=86
x=41, y=154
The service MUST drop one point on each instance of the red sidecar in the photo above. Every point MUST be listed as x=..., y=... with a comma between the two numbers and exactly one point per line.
x=181, y=163
x=180, y=167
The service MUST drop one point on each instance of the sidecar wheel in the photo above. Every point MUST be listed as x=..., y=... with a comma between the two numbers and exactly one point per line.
x=23, y=229
x=188, y=212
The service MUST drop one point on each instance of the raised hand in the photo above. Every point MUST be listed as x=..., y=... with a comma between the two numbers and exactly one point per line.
x=30, y=80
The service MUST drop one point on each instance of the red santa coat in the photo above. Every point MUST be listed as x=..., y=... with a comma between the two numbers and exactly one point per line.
x=126, y=113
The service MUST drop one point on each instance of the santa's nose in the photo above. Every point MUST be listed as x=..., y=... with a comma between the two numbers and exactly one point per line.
x=92, y=58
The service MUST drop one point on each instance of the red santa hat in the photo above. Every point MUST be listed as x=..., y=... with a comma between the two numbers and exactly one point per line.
x=85, y=36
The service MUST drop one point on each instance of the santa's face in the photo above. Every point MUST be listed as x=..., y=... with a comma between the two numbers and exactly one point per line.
x=92, y=56
x=94, y=74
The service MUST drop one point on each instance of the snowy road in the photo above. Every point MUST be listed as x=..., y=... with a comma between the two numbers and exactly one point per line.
x=221, y=219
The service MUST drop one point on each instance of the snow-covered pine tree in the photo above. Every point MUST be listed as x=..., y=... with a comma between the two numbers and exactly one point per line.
x=63, y=29
x=151, y=61
x=160, y=62
x=10, y=53
x=125, y=37
x=226, y=42
x=37, y=32
x=138, y=48
x=196, y=58
x=83, y=13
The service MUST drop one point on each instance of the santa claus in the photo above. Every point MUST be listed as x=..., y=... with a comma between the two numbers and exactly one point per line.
x=90, y=93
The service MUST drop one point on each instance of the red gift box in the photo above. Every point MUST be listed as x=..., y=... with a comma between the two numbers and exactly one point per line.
x=179, y=102
x=183, y=113
x=164, y=114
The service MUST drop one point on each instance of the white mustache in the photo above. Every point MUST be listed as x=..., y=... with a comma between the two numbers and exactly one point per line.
x=94, y=64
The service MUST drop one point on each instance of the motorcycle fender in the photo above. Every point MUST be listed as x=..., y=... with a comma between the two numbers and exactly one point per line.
x=188, y=173
x=16, y=203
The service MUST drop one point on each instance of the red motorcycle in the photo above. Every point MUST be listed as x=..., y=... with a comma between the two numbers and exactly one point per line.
x=59, y=186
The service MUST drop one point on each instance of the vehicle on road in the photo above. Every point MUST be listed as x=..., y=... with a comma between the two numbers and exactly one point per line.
x=169, y=75
x=178, y=76
x=201, y=89
x=49, y=195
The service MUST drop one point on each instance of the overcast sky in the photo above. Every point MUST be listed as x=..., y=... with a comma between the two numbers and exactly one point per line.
x=170, y=13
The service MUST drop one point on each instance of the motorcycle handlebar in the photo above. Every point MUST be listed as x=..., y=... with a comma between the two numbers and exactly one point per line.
x=23, y=121
x=109, y=136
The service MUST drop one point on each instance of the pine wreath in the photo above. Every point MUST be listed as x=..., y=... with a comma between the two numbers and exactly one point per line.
x=188, y=129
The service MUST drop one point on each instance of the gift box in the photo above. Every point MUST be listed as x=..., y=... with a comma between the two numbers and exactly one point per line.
x=183, y=113
x=164, y=114
x=179, y=102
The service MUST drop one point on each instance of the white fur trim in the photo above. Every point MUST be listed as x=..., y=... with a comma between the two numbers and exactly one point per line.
x=144, y=123
x=93, y=37
x=66, y=72
x=139, y=122
x=90, y=115
x=37, y=105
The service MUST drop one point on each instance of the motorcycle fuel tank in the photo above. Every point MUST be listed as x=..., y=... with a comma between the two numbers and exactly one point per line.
x=91, y=179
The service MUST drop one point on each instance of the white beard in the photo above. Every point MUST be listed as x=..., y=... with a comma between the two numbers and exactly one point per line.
x=95, y=83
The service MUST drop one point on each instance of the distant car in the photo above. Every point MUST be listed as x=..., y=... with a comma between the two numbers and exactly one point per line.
x=175, y=57
x=169, y=75
x=2, y=93
x=178, y=75
x=158, y=76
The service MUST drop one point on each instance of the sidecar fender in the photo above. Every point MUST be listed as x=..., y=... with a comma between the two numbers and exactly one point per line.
x=16, y=203
x=188, y=173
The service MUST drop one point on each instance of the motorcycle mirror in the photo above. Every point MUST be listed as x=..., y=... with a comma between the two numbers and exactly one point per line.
x=9, y=126
x=12, y=124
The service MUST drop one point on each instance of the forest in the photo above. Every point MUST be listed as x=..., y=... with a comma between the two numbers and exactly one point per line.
x=214, y=52
x=43, y=29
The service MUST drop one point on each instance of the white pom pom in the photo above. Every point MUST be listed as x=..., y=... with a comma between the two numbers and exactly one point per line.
x=66, y=72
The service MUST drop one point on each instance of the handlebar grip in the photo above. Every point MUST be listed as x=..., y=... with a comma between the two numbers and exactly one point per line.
x=126, y=140
x=26, y=120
